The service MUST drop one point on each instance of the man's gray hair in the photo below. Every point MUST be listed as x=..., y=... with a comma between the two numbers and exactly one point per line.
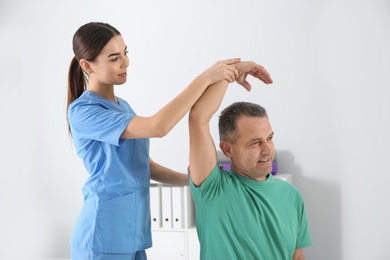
x=227, y=124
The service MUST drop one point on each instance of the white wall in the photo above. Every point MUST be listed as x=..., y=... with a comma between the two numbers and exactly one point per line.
x=329, y=106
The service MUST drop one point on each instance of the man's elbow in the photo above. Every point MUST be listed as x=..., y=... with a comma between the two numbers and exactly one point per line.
x=193, y=115
x=198, y=117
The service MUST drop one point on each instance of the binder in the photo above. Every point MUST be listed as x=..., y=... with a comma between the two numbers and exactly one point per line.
x=155, y=206
x=178, y=207
x=166, y=204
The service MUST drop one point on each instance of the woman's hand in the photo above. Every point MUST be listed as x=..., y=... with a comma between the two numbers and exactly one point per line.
x=222, y=70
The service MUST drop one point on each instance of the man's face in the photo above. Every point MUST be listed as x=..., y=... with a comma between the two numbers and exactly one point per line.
x=253, y=151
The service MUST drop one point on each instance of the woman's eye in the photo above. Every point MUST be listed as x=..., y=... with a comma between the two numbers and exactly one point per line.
x=115, y=59
x=126, y=52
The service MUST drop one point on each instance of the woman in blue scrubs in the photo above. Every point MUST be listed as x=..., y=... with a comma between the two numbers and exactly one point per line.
x=113, y=142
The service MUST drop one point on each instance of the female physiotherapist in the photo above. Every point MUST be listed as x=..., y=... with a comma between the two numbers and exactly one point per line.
x=112, y=140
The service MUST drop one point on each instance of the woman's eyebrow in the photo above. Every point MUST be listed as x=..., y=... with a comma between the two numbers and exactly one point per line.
x=113, y=54
x=116, y=53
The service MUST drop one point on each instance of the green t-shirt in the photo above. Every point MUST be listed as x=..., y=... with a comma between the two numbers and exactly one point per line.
x=244, y=219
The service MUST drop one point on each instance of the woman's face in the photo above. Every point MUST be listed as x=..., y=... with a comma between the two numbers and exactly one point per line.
x=110, y=66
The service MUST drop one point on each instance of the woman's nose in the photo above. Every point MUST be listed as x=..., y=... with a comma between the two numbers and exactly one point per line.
x=126, y=62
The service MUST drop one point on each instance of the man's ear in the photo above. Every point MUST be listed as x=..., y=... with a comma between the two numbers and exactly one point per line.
x=226, y=148
x=86, y=66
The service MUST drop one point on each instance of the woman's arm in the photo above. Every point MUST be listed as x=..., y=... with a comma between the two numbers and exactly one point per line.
x=164, y=120
x=165, y=175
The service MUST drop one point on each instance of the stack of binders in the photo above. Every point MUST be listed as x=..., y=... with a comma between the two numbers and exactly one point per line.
x=167, y=206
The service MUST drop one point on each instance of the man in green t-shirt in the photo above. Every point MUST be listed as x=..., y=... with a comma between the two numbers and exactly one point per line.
x=242, y=213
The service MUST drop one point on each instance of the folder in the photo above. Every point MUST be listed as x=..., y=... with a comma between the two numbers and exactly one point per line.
x=166, y=206
x=155, y=206
x=178, y=207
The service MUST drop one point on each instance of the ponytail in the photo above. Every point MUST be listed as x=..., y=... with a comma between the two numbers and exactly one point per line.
x=76, y=83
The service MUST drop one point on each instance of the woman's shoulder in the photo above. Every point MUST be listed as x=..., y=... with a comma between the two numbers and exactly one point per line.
x=85, y=97
x=90, y=98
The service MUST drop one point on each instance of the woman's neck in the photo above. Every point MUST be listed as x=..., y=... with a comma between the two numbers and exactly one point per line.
x=106, y=92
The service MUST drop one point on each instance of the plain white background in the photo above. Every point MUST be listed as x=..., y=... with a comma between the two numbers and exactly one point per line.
x=329, y=106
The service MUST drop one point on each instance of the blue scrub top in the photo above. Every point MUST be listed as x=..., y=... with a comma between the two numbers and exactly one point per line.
x=115, y=217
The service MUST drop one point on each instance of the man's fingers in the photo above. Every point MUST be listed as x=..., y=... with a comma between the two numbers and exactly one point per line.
x=246, y=85
x=264, y=76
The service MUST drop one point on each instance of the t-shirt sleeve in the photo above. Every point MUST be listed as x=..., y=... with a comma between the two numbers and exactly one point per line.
x=95, y=122
x=210, y=186
x=304, y=237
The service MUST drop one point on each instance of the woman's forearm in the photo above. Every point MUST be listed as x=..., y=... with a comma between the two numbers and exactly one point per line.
x=165, y=175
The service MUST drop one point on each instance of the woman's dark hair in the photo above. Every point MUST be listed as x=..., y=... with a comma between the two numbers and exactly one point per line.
x=227, y=124
x=88, y=41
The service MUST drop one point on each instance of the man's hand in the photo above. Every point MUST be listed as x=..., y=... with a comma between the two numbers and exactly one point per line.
x=249, y=67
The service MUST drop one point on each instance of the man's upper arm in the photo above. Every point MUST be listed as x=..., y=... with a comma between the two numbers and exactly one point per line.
x=298, y=254
x=203, y=155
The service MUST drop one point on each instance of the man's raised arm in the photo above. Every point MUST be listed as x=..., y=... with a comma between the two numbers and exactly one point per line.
x=203, y=156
